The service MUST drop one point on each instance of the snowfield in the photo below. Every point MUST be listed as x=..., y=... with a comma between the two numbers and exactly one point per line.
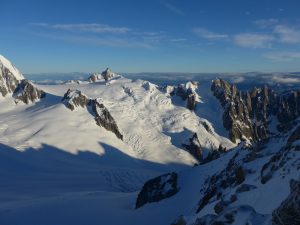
x=57, y=166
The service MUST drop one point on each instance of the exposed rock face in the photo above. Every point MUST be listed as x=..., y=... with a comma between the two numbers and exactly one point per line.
x=283, y=159
x=9, y=77
x=247, y=114
x=94, y=77
x=288, y=106
x=27, y=92
x=187, y=92
x=157, y=189
x=288, y=213
x=104, y=119
x=191, y=99
x=194, y=147
x=231, y=176
x=106, y=75
x=74, y=98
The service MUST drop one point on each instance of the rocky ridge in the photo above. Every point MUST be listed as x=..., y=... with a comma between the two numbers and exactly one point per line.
x=75, y=98
x=187, y=92
x=247, y=114
x=13, y=82
x=105, y=75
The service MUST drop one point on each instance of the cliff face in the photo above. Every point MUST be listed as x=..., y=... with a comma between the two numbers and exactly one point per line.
x=104, y=118
x=247, y=113
x=75, y=98
x=27, y=92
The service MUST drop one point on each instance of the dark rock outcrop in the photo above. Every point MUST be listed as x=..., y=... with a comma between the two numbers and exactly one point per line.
x=194, y=147
x=247, y=113
x=104, y=118
x=27, y=92
x=191, y=99
x=187, y=92
x=179, y=221
x=156, y=189
x=231, y=176
x=107, y=74
x=288, y=213
x=74, y=98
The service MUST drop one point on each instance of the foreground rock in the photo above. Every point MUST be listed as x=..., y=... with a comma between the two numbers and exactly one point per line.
x=157, y=189
x=288, y=213
x=27, y=92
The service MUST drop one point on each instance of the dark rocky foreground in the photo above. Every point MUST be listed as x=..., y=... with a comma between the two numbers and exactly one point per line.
x=157, y=189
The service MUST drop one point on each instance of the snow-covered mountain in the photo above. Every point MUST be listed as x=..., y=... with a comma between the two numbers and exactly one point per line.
x=187, y=153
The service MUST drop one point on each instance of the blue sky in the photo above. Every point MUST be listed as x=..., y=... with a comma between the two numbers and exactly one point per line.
x=151, y=35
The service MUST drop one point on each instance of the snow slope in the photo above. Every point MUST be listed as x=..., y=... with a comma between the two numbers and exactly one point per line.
x=4, y=62
x=56, y=160
x=57, y=166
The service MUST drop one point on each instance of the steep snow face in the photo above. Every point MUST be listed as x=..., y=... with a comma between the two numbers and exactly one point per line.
x=5, y=63
x=9, y=76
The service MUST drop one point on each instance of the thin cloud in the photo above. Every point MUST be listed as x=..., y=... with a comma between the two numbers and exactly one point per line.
x=178, y=39
x=253, y=40
x=172, y=8
x=266, y=23
x=98, y=41
x=204, y=33
x=85, y=27
x=287, y=34
x=285, y=80
x=282, y=56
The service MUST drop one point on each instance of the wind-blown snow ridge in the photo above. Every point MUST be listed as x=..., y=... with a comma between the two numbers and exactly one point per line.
x=5, y=63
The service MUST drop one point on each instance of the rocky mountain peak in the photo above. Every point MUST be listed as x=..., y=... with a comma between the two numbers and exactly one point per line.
x=75, y=98
x=104, y=118
x=27, y=92
x=106, y=75
x=10, y=76
x=247, y=114
x=187, y=92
